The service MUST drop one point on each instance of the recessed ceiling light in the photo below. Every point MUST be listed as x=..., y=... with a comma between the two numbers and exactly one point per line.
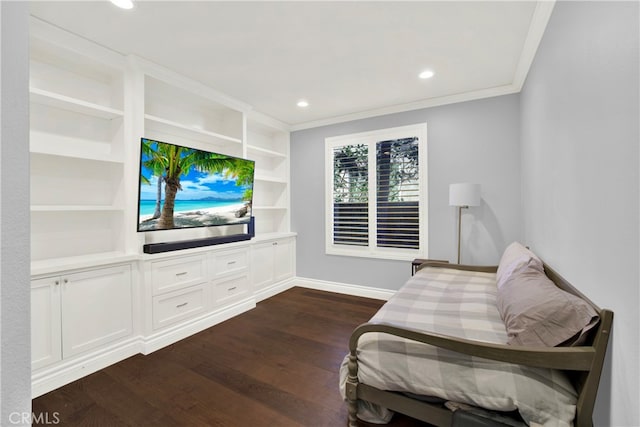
x=123, y=4
x=426, y=74
x=302, y=103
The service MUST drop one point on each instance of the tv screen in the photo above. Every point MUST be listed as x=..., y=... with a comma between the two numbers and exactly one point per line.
x=182, y=187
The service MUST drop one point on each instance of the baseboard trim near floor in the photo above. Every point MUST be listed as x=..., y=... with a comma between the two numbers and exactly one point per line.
x=186, y=329
x=269, y=291
x=48, y=379
x=344, y=288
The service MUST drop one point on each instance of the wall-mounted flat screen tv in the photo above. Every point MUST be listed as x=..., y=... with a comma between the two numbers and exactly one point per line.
x=182, y=187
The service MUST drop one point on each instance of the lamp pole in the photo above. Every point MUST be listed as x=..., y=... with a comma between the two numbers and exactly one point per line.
x=459, y=228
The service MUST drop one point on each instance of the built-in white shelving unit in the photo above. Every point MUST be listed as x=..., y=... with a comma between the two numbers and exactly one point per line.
x=95, y=295
x=268, y=145
x=179, y=111
x=175, y=112
x=76, y=143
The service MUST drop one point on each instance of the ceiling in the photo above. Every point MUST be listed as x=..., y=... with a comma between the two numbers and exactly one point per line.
x=347, y=59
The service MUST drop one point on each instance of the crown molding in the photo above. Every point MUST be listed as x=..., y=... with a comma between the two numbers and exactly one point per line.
x=539, y=21
x=426, y=103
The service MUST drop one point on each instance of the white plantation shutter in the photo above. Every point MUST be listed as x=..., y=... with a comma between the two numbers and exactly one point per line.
x=398, y=193
x=376, y=192
x=351, y=195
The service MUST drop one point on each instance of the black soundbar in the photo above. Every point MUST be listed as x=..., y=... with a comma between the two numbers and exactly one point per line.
x=155, y=248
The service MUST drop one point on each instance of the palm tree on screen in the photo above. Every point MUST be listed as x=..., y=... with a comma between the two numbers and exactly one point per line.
x=156, y=164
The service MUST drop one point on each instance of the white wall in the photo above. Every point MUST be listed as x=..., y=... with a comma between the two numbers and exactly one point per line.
x=15, y=360
x=467, y=142
x=580, y=183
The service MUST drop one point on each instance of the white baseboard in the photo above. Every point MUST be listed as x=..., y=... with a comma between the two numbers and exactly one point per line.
x=166, y=337
x=49, y=379
x=344, y=288
x=268, y=292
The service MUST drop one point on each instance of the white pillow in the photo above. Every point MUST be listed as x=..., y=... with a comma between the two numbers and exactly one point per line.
x=515, y=258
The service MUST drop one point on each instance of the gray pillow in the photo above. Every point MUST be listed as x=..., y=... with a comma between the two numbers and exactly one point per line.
x=516, y=257
x=538, y=313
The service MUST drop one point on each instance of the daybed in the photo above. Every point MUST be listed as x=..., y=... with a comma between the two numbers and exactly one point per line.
x=476, y=346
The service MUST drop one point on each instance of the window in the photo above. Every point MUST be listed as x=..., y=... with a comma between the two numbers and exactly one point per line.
x=376, y=193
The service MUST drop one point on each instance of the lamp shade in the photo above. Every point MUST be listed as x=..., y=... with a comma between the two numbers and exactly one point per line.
x=464, y=194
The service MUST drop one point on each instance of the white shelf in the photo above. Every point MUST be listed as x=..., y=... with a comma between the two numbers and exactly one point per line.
x=271, y=179
x=266, y=151
x=56, y=100
x=74, y=208
x=273, y=235
x=61, y=151
x=269, y=208
x=54, y=265
x=171, y=127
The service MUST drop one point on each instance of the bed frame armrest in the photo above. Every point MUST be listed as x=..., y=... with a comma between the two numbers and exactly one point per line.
x=480, y=268
x=564, y=358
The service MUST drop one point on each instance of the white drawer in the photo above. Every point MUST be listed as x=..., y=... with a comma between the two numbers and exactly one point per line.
x=180, y=305
x=231, y=288
x=229, y=262
x=178, y=273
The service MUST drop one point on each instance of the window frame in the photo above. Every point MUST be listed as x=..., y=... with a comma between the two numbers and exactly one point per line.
x=371, y=138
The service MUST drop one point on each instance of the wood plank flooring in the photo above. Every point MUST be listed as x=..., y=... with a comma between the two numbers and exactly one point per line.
x=276, y=365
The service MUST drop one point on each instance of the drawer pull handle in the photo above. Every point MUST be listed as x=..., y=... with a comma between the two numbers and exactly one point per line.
x=181, y=274
x=231, y=262
x=231, y=289
x=182, y=305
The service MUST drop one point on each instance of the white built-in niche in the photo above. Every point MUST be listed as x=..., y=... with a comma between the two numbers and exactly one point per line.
x=268, y=145
x=77, y=122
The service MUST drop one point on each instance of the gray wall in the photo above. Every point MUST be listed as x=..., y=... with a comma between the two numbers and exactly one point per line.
x=15, y=360
x=474, y=141
x=580, y=181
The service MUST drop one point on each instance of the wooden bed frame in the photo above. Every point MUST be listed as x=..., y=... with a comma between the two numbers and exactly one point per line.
x=583, y=364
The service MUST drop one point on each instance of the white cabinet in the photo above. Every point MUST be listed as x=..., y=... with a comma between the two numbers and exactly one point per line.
x=283, y=266
x=186, y=289
x=271, y=262
x=96, y=308
x=76, y=312
x=179, y=289
x=46, y=343
x=262, y=265
x=230, y=275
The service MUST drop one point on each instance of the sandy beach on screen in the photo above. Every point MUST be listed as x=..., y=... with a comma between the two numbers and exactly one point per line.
x=200, y=217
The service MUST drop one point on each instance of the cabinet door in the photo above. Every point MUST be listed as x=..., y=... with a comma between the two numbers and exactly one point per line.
x=46, y=337
x=283, y=263
x=262, y=258
x=96, y=308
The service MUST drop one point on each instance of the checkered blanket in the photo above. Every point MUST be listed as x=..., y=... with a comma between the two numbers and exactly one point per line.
x=460, y=304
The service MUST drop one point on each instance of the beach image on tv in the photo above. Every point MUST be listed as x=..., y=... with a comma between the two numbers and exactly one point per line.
x=183, y=187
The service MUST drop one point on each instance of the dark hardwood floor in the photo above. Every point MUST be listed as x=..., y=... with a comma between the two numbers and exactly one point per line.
x=276, y=365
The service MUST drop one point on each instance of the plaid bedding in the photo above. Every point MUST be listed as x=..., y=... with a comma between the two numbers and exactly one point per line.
x=461, y=304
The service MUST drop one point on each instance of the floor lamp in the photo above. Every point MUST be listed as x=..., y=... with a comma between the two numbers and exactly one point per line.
x=463, y=196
